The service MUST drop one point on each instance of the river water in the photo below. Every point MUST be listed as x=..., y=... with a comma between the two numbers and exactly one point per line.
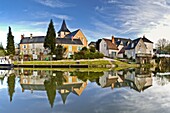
x=125, y=91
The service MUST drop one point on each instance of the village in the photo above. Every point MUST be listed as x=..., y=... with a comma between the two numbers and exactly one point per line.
x=139, y=50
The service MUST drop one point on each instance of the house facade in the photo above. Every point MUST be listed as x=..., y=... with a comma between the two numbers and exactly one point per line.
x=32, y=45
x=108, y=47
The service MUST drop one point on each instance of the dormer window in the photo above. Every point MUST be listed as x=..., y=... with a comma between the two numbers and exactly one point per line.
x=132, y=45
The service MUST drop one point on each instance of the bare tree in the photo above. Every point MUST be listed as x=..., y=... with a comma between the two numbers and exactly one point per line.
x=161, y=44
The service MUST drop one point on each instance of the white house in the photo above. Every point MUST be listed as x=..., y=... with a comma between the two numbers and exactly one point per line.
x=108, y=47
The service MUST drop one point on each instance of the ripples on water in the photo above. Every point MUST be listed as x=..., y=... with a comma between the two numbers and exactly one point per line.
x=125, y=91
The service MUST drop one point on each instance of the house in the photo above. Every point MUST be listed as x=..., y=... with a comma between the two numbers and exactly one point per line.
x=32, y=45
x=72, y=41
x=121, y=43
x=111, y=48
x=107, y=47
x=77, y=34
x=140, y=49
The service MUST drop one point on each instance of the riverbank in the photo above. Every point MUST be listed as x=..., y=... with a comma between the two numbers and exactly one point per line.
x=95, y=63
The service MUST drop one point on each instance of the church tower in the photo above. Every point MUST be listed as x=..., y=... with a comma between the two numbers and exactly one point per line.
x=63, y=30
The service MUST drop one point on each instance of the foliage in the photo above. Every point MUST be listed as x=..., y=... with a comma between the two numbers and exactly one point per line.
x=55, y=80
x=10, y=43
x=91, y=76
x=50, y=39
x=163, y=46
x=60, y=50
x=92, y=49
x=11, y=85
x=87, y=54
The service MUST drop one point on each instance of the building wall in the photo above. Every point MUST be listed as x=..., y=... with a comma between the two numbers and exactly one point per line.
x=103, y=48
x=130, y=53
x=113, y=53
x=140, y=47
x=149, y=49
x=70, y=49
x=62, y=34
x=32, y=48
x=82, y=37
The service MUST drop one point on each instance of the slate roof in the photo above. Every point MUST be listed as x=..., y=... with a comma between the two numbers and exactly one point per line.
x=68, y=41
x=123, y=40
x=110, y=45
x=35, y=39
x=134, y=42
x=72, y=34
x=146, y=40
x=64, y=27
x=92, y=44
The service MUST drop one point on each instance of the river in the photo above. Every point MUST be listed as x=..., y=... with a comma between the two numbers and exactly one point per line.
x=140, y=90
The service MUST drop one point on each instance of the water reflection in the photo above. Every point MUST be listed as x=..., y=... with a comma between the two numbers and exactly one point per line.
x=66, y=83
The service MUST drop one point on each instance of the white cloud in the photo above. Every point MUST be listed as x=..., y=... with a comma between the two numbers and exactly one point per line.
x=55, y=3
x=136, y=18
x=17, y=34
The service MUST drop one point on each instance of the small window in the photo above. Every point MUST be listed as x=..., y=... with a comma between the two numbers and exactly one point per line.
x=79, y=48
x=70, y=48
x=25, y=46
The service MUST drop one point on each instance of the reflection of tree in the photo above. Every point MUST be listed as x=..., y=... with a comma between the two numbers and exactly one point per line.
x=51, y=84
x=11, y=85
x=84, y=76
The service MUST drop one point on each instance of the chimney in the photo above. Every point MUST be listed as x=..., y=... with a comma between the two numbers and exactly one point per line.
x=22, y=36
x=31, y=36
x=113, y=39
x=72, y=38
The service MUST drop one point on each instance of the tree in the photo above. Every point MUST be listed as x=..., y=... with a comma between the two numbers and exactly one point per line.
x=161, y=44
x=60, y=50
x=10, y=43
x=11, y=85
x=50, y=39
x=92, y=49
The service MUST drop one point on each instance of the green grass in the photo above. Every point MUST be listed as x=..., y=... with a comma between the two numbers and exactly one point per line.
x=123, y=65
x=65, y=62
x=68, y=69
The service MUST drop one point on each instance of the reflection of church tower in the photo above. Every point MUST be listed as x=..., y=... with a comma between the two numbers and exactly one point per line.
x=63, y=30
x=64, y=93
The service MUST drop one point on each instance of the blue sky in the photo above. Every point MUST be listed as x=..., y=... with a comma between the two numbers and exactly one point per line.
x=96, y=18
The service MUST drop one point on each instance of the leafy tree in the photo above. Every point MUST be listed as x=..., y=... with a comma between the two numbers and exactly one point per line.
x=60, y=50
x=92, y=49
x=10, y=43
x=50, y=39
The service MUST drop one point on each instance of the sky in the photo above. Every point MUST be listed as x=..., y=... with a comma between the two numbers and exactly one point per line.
x=96, y=18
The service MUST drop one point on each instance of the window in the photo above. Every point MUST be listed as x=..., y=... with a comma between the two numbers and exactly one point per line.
x=33, y=46
x=24, y=46
x=79, y=48
x=70, y=48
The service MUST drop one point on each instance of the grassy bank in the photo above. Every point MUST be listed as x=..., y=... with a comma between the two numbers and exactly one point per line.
x=65, y=62
x=92, y=63
x=123, y=65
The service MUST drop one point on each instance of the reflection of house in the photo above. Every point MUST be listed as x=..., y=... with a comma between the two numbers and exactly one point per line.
x=139, y=81
x=36, y=82
x=3, y=73
x=108, y=80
